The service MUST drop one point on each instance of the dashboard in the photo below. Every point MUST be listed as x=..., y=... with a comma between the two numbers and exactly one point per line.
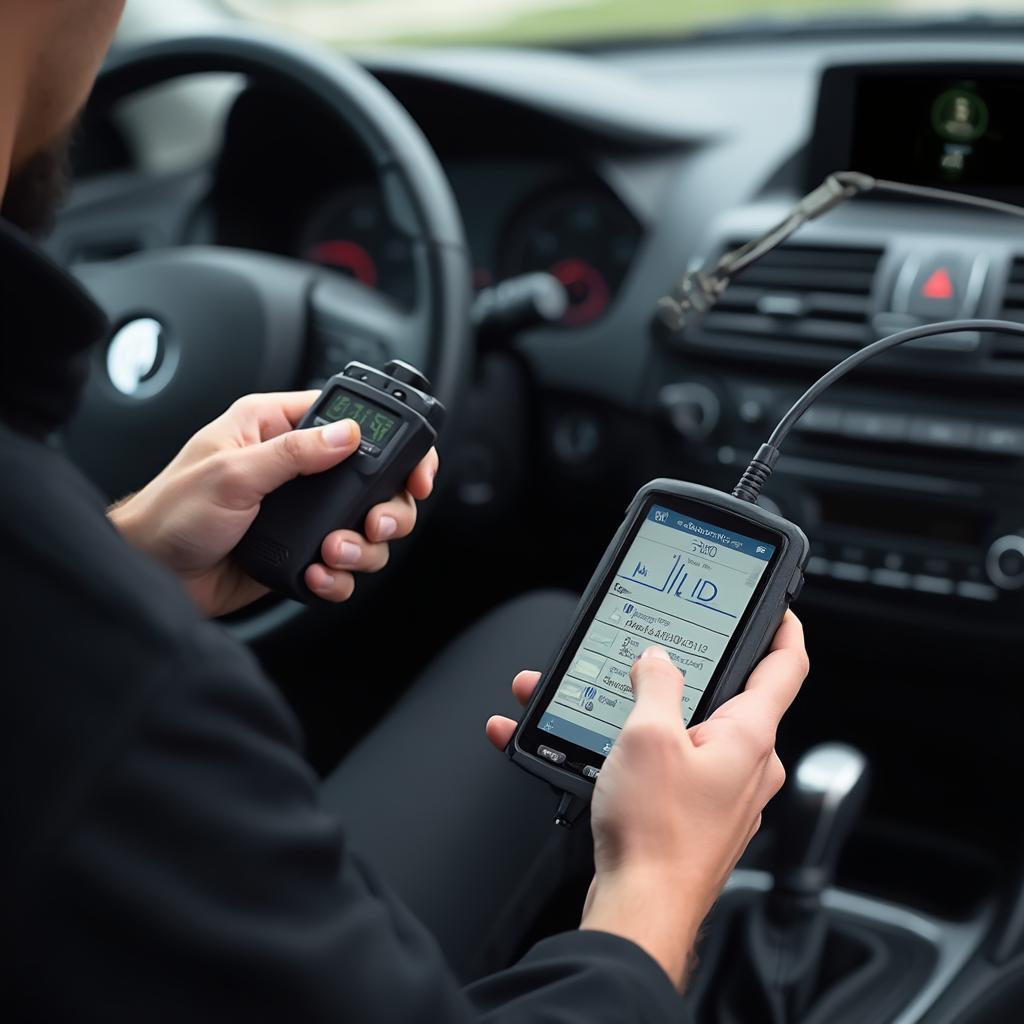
x=614, y=172
x=524, y=211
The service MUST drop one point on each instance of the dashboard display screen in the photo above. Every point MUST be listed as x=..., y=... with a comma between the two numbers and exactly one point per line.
x=940, y=130
x=684, y=584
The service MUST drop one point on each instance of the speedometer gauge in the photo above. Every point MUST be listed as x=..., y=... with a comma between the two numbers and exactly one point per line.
x=352, y=233
x=580, y=234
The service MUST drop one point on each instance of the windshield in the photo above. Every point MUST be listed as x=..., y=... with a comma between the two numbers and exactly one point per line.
x=355, y=22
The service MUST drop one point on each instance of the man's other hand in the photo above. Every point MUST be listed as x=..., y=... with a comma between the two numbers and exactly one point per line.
x=674, y=808
x=195, y=512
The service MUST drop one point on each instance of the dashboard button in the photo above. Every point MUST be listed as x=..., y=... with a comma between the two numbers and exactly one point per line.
x=850, y=571
x=875, y=426
x=821, y=419
x=936, y=289
x=999, y=439
x=894, y=578
x=933, y=584
x=941, y=432
x=976, y=591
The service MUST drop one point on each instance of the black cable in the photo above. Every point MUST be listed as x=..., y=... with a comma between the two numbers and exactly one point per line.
x=761, y=466
x=945, y=196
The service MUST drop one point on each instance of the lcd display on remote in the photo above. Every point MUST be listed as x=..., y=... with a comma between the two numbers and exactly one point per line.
x=375, y=422
x=684, y=584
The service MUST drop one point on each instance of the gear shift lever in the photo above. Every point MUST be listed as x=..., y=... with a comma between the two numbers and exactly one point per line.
x=821, y=805
x=786, y=935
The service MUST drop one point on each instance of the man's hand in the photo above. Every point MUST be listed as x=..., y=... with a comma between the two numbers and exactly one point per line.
x=675, y=808
x=195, y=512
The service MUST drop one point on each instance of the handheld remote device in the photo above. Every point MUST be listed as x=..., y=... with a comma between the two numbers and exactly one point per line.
x=399, y=420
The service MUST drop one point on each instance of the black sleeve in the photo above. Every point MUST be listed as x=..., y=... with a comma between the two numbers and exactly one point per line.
x=200, y=881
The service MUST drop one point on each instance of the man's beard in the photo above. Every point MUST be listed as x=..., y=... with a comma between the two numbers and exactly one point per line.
x=36, y=190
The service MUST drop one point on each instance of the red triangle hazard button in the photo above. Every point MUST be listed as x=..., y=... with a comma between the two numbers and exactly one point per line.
x=939, y=285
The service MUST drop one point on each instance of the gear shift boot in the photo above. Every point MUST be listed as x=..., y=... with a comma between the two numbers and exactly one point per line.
x=867, y=971
x=782, y=957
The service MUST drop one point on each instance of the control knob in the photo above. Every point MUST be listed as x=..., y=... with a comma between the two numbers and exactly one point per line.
x=1004, y=562
x=693, y=409
x=406, y=374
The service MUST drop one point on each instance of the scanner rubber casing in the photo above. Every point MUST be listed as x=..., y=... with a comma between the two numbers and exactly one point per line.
x=781, y=588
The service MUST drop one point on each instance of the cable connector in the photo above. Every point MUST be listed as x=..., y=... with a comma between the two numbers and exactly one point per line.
x=833, y=191
x=757, y=474
x=569, y=809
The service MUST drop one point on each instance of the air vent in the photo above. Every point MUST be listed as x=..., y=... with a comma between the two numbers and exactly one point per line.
x=801, y=294
x=1004, y=347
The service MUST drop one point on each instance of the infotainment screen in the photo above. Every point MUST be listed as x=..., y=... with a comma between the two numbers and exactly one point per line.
x=947, y=128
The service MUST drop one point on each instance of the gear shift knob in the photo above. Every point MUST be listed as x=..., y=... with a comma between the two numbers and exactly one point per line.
x=821, y=805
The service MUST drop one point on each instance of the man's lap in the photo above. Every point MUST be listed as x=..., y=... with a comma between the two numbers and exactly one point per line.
x=463, y=836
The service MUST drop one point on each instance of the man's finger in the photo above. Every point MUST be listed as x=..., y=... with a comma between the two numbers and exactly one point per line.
x=421, y=479
x=261, y=417
x=499, y=730
x=391, y=520
x=249, y=474
x=330, y=584
x=345, y=549
x=773, y=685
x=283, y=410
x=657, y=683
x=523, y=686
x=781, y=672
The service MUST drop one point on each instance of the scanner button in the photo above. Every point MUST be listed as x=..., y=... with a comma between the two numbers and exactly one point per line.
x=554, y=756
x=590, y=772
x=369, y=449
x=796, y=584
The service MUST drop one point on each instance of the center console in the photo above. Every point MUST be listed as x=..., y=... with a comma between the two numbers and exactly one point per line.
x=908, y=476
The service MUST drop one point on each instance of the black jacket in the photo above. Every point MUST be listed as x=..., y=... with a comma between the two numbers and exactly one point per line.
x=162, y=853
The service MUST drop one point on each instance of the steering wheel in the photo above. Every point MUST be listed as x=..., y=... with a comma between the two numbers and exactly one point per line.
x=215, y=323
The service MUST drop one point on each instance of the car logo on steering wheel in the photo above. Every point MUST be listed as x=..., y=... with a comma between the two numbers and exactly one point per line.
x=134, y=356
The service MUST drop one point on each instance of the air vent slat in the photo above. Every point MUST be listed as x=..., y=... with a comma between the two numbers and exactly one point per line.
x=806, y=294
x=742, y=324
x=1005, y=348
x=796, y=277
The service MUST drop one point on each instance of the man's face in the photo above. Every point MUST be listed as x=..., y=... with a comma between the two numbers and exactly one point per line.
x=51, y=51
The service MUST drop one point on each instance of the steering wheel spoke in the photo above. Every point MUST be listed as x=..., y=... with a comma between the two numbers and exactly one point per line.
x=349, y=321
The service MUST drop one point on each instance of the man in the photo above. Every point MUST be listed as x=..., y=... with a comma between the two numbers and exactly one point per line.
x=166, y=853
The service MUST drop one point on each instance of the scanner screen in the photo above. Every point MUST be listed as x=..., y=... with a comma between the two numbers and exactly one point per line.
x=684, y=584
